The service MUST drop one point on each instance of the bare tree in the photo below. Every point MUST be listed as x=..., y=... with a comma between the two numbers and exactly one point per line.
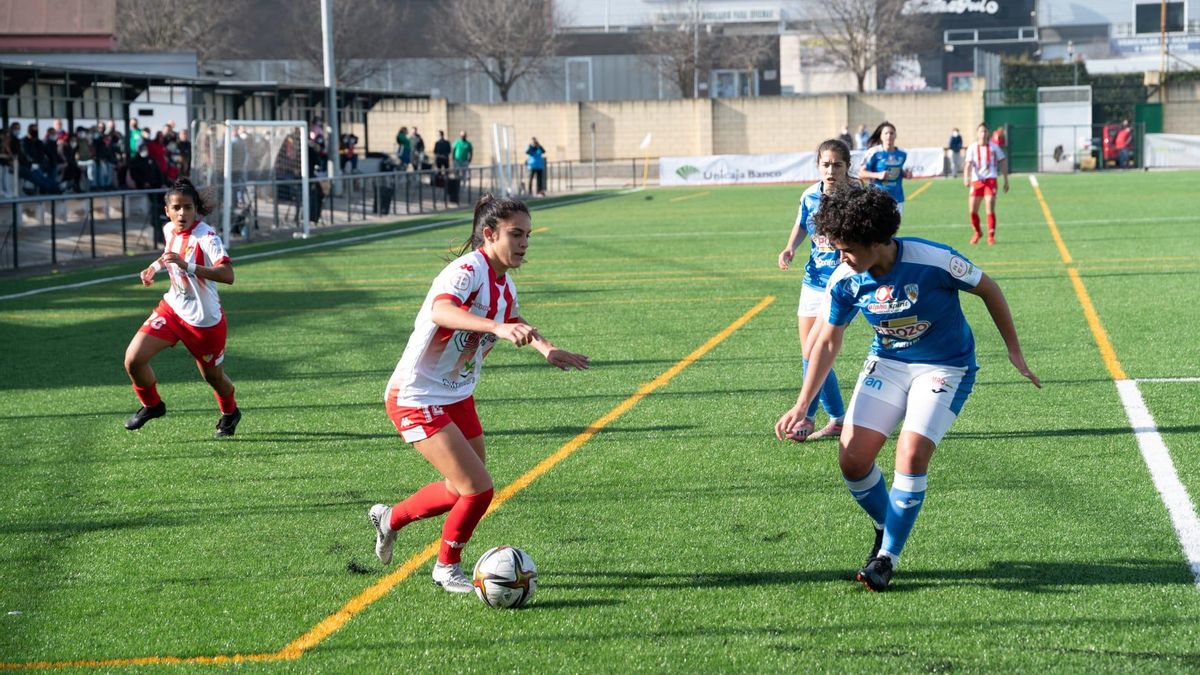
x=360, y=29
x=153, y=25
x=680, y=45
x=685, y=47
x=506, y=40
x=860, y=35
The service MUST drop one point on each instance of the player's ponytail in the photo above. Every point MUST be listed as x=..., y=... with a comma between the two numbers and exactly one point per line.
x=489, y=213
x=183, y=186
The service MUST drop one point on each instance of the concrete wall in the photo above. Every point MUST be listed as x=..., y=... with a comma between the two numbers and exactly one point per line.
x=687, y=126
x=1181, y=112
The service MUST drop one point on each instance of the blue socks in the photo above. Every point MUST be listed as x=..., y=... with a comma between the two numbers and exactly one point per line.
x=895, y=512
x=904, y=503
x=871, y=493
x=830, y=396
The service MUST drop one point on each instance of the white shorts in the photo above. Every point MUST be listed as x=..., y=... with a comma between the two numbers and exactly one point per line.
x=927, y=397
x=900, y=207
x=813, y=302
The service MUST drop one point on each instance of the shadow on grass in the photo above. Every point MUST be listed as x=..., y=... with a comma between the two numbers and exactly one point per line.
x=1004, y=575
x=1100, y=431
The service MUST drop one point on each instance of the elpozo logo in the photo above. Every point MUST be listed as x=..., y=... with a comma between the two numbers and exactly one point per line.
x=686, y=171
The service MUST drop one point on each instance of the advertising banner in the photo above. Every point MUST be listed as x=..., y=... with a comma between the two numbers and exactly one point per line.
x=787, y=167
x=1172, y=150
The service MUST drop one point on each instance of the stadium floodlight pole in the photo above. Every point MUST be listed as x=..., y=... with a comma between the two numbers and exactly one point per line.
x=333, y=143
x=227, y=196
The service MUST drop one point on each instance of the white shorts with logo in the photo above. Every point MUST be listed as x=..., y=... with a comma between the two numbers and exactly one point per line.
x=927, y=397
x=813, y=302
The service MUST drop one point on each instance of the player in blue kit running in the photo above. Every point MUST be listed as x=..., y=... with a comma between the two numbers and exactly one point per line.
x=833, y=163
x=921, y=366
x=884, y=163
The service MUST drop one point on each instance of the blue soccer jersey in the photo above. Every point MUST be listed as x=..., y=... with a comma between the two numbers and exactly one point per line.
x=892, y=164
x=914, y=308
x=823, y=258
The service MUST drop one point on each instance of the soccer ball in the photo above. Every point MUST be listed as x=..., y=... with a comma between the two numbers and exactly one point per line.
x=505, y=577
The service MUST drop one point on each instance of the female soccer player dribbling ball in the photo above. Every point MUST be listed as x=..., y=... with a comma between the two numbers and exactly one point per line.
x=833, y=163
x=190, y=310
x=471, y=305
x=921, y=366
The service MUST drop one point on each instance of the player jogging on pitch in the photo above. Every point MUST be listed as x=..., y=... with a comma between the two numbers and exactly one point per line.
x=986, y=161
x=471, y=305
x=884, y=163
x=833, y=163
x=190, y=310
x=921, y=365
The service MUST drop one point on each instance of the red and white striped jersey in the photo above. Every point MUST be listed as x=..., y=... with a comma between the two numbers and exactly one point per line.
x=195, y=300
x=442, y=366
x=985, y=160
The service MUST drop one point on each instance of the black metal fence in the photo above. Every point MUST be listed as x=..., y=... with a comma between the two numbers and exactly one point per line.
x=51, y=230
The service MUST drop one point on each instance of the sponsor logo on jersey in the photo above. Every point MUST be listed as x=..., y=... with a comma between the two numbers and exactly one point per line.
x=873, y=382
x=940, y=386
x=906, y=327
x=884, y=294
x=960, y=268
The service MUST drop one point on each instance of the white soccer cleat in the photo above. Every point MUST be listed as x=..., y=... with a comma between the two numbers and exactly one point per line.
x=451, y=578
x=381, y=515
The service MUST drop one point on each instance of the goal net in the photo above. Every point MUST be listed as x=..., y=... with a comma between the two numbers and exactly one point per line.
x=261, y=170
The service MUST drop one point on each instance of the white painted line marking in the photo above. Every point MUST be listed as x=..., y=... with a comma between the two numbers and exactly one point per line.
x=1162, y=471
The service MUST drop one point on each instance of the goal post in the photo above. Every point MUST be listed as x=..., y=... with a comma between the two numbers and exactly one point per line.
x=227, y=172
x=503, y=166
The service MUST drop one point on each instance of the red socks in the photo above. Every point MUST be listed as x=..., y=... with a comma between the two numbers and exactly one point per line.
x=975, y=222
x=460, y=525
x=225, y=403
x=432, y=500
x=991, y=223
x=148, y=395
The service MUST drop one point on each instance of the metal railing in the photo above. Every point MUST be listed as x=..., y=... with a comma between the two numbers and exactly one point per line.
x=51, y=230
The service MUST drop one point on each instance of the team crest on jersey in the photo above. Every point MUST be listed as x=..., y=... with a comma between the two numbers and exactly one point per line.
x=911, y=290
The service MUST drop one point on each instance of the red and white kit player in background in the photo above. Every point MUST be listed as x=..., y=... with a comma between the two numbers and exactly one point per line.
x=471, y=305
x=190, y=310
x=987, y=162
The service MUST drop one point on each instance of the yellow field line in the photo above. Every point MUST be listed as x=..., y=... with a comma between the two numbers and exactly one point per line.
x=539, y=230
x=360, y=602
x=1107, y=353
x=683, y=197
x=1058, y=240
x=334, y=622
x=919, y=191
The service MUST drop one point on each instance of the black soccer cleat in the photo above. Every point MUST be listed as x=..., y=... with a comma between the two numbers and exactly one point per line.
x=145, y=414
x=858, y=576
x=878, y=574
x=228, y=423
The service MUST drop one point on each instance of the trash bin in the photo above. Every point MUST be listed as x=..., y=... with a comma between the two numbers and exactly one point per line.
x=383, y=200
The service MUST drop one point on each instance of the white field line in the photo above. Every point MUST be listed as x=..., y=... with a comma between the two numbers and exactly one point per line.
x=1162, y=471
x=306, y=247
x=1167, y=379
